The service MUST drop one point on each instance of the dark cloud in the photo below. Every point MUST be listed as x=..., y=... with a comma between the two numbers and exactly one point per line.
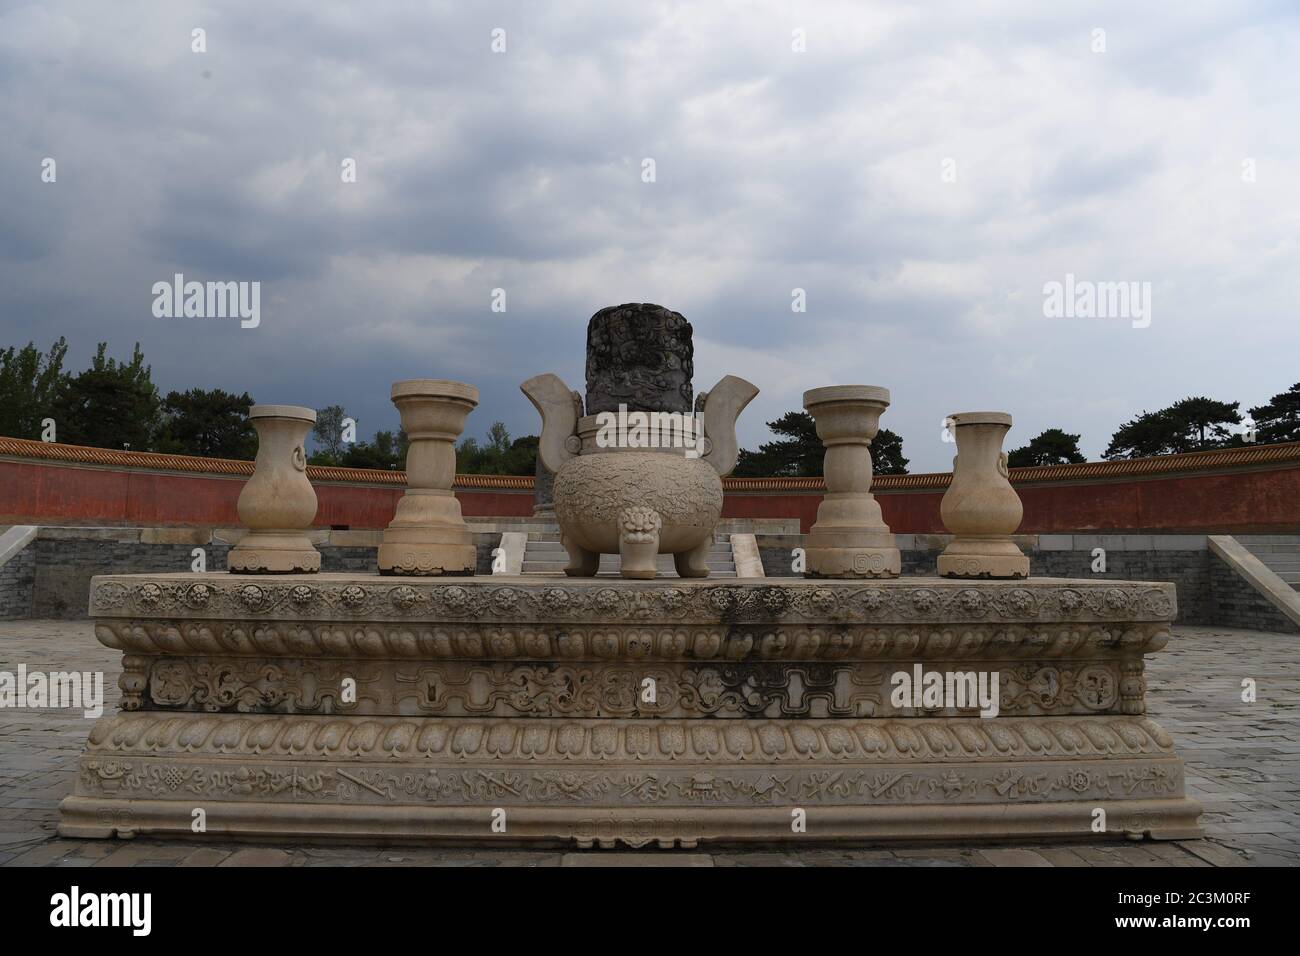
x=776, y=170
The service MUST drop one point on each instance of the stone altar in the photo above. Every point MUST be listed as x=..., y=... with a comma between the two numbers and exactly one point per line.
x=635, y=711
x=526, y=695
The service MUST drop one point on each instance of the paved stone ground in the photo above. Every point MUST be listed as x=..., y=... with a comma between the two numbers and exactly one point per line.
x=1243, y=765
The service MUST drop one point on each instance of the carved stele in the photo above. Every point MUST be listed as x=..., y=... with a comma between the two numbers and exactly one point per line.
x=428, y=535
x=850, y=538
x=980, y=507
x=278, y=503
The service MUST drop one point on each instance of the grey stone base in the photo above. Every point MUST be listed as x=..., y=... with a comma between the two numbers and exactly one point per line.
x=587, y=827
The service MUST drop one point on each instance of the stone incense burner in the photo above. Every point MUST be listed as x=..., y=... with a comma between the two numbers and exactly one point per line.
x=638, y=471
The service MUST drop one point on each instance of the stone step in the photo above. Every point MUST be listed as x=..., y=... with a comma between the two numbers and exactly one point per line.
x=542, y=566
x=560, y=557
x=544, y=554
x=550, y=547
x=1261, y=549
x=1252, y=539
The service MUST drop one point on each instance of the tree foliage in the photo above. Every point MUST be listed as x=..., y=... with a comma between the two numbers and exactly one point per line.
x=112, y=404
x=1193, y=424
x=29, y=383
x=800, y=453
x=212, y=424
x=498, y=455
x=1051, y=447
x=1278, y=419
x=386, y=451
x=328, y=432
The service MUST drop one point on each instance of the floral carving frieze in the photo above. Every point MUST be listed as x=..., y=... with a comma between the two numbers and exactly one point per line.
x=268, y=781
x=649, y=641
x=750, y=689
x=370, y=597
x=635, y=741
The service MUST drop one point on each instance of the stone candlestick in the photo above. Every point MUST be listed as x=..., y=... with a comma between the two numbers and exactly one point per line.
x=428, y=536
x=980, y=507
x=850, y=539
x=278, y=503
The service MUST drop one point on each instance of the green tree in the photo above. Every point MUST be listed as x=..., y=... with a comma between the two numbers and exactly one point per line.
x=800, y=453
x=29, y=384
x=213, y=424
x=499, y=455
x=522, y=457
x=110, y=405
x=1278, y=419
x=1051, y=447
x=386, y=451
x=328, y=432
x=887, y=454
x=1193, y=424
x=797, y=453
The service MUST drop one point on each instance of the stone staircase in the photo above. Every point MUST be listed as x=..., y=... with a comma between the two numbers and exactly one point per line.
x=543, y=554
x=1280, y=553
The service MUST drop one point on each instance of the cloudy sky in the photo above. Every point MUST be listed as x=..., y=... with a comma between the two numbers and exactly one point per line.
x=921, y=171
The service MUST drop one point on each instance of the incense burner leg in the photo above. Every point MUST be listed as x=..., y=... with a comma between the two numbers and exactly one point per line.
x=582, y=563
x=638, y=541
x=694, y=563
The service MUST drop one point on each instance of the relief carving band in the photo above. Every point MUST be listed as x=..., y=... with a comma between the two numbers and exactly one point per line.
x=534, y=599
x=542, y=689
x=721, y=787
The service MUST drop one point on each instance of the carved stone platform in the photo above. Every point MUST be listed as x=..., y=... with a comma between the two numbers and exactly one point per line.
x=367, y=708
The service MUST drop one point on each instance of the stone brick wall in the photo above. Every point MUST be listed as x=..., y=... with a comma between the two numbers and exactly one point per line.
x=1188, y=570
x=17, y=583
x=1237, y=604
x=59, y=569
x=65, y=565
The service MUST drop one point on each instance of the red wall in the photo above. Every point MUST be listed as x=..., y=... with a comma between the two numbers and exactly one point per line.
x=34, y=493
x=1239, y=500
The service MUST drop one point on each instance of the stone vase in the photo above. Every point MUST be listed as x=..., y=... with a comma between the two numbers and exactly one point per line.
x=850, y=538
x=980, y=507
x=278, y=503
x=428, y=535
